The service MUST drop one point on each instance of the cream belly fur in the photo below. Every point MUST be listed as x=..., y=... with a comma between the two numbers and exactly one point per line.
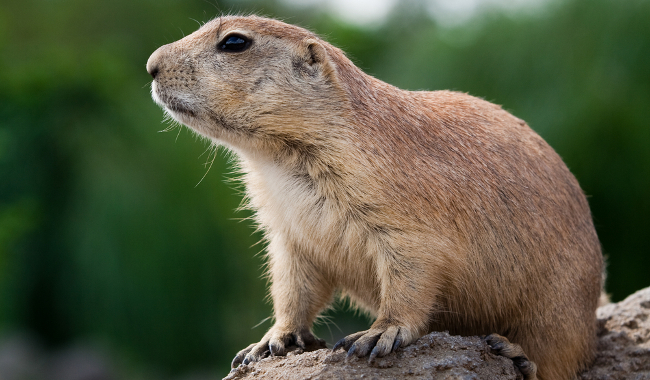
x=284, y=201
x=430, y=210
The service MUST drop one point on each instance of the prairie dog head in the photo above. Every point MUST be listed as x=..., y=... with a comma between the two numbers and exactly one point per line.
x=238, y=80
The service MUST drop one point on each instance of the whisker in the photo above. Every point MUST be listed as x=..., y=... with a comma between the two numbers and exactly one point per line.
x=261, y=322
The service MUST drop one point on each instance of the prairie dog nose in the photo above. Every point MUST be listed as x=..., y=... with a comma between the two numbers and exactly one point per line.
x=153, y=63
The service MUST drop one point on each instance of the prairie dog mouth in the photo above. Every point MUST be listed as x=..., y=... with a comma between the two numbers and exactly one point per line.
x=182, y=108
x=179, y=107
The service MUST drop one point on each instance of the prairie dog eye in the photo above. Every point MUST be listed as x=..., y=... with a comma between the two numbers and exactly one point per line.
x=234, y=43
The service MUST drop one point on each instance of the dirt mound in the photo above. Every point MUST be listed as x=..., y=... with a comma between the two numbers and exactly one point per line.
x=623, y=353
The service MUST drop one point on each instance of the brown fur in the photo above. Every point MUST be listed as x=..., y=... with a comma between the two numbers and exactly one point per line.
x=431, y=210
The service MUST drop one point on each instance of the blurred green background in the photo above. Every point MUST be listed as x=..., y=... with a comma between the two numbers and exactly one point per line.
x=107, y=240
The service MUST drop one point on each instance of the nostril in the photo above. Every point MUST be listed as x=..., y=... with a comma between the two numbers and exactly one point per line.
x=156, y=62
x=153, y=71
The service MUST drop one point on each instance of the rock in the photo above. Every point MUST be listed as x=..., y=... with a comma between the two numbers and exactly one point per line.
x=623, y=340
x=623, y=353
x=434, y=356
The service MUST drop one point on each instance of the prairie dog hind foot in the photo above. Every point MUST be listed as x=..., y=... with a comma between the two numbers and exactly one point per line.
x=502, y=346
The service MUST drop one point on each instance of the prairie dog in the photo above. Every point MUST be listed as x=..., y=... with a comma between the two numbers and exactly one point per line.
x=431, y=210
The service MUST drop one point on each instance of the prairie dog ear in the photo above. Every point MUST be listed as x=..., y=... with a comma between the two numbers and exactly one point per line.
x=317, y=59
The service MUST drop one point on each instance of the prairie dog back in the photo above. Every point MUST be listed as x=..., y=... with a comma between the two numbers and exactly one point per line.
x=430, y=210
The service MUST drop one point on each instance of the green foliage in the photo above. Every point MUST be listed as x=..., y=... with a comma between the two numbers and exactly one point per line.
x=105, y=234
